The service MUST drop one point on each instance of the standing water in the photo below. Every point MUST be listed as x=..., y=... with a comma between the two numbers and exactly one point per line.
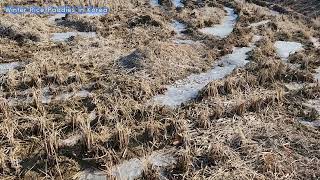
x=224, y=29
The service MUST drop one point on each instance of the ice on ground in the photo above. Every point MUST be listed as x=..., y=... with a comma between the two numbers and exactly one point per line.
x=184, y=41
x=313, y=103
x=154, y=3
x=317, y=75
x=157, y=159
x=315, y=124
x=26, y=98
x=129, y=170
x=178, y=27
x=65, y=36
x=259, y=23
x=293, y=86
x=6, y=67
x=92, y=175
x=224, y=29
x=274, y=13
x=187, y=89
x=52, y=19
x=177, y=3
x=133, y=169
x=46, y=99
x=315, y=42
x=285, y=48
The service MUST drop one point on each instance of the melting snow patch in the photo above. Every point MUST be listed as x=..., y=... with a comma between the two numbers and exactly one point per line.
x=65, y=36
x=6, y=67
x=224, y=29
x=285, y=48
x=187, y=89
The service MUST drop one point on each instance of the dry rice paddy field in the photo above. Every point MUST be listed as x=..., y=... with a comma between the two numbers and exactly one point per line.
x=194, y=89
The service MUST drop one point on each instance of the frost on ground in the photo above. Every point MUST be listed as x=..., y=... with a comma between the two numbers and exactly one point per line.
x=57, y=37
x=285, y=48
x=224, y=29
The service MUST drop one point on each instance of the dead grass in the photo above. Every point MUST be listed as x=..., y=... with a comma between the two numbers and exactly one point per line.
x=244, y=126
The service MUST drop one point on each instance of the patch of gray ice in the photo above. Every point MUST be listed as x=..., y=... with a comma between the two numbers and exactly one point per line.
x=92, y=175
x=57, y=37
x=274, y=13
x=184, y=41
x=314, y=124
x=187, y=89
x=285, y=48
x=253, y=25
x=315, y=42
x=6, y=67
x=178, y=27
x=129, y=170
x=177, y=3
x=134, y=168
x=224, y=29
x=317, y=75
x=154, y=3
x=55, y=17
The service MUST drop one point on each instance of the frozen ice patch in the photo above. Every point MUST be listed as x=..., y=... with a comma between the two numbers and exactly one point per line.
x=6, y=67
x=55, y=17
x=314, y=124
x=92, y=175
x=154, y=3
x=133, y=169
x=317, y=75
x=224, y=29
x=129, y=170
x=184, y=41
x=57, y=37
x=315, y=42
x=253, y=25
x=187, y=89
x=178, y=27
x=177, y=3
x=274, y=13
x=285, y=48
